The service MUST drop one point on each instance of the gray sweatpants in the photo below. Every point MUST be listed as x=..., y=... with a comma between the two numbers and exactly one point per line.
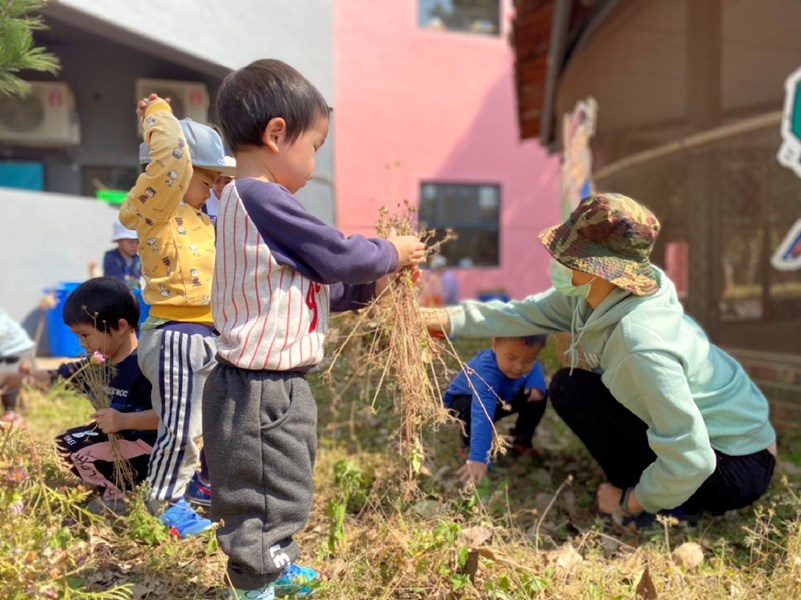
x=260, y=439
x=176, y=364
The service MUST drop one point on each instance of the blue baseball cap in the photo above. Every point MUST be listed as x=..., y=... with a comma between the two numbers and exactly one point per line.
x=205, y=148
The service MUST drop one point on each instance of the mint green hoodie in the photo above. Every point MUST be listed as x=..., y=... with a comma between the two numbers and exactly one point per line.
x=657, y=362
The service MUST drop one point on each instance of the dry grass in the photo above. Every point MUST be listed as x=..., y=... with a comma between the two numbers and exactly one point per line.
x=395, y=350
x=529, y=531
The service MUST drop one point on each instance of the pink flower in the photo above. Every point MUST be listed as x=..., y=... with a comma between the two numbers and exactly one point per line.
x=17, y=507
x=16, y=475
x=98, y=358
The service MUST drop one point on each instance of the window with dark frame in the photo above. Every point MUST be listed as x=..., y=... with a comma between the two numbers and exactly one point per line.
x=481, y=17
x=472, y=212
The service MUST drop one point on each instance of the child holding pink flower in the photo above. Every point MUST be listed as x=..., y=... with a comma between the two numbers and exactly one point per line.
x=104, y=314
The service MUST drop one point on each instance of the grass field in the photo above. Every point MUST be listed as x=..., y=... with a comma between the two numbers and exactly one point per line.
x=528, y=531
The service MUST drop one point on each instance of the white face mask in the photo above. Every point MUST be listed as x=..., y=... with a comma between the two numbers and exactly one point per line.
x=562, y=280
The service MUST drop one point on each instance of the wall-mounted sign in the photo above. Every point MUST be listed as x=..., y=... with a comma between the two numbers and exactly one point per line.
x=578, y=128
x=787, y=256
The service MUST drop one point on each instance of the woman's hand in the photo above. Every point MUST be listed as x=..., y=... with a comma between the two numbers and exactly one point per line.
x=609, y=498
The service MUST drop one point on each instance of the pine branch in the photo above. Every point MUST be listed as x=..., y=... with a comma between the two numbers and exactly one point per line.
x=18, y=51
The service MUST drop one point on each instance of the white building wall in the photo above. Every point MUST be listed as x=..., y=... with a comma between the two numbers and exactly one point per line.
x=231, y=33
x=46, y=239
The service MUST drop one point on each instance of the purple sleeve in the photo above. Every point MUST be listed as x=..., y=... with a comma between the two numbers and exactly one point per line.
x=301, y=241
x=344, y=297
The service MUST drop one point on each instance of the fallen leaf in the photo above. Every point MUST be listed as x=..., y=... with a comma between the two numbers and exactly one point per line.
x=566, y=558
x=472, y=537
x=486, y=552
x=645, y=587
x=689, y=555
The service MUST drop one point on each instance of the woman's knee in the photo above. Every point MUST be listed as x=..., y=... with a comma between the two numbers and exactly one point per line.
x=575, y=390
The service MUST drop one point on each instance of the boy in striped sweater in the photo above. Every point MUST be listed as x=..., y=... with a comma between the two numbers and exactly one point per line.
x=279, y=270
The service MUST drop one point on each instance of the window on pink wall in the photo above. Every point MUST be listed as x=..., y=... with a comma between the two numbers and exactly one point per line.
x=470, y=16
x=472, y=212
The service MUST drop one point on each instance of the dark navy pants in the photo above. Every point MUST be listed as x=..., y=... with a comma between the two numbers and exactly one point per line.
x=616, y=438
x=529, y=415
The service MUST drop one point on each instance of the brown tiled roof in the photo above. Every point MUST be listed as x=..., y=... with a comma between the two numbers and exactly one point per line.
x=532, y=33
x=531, y=39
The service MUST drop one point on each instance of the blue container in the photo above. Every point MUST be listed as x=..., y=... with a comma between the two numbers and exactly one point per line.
x=494, y=296
x=144, y=309
x=62, y=341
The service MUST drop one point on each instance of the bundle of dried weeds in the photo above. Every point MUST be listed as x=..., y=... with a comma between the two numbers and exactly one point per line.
x=398, y=350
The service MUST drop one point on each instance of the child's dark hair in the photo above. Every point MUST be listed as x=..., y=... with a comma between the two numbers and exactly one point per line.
x=534, y=341
x=101, y=302
x=266, y=89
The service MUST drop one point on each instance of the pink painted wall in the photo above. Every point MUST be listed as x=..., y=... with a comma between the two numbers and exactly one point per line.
x=413, y=105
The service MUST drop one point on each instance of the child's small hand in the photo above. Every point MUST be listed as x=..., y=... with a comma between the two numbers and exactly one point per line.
x=472, y=472
x=92, y=268
x=109, y=420
x=411, y=251
x=144, y=103
x=534, y=394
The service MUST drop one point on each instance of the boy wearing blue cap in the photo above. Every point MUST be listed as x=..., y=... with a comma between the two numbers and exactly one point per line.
x=177, y=343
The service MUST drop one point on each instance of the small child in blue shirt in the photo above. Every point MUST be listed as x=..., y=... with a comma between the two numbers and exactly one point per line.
x=500, y=381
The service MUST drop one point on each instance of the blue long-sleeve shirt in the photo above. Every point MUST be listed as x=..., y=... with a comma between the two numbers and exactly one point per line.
x=483, y=380
x=117, y=266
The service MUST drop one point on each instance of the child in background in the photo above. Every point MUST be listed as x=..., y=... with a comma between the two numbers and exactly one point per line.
x=178, y=340
x=278, y=273
x=672, y=419
x=16, y=347
x=123, y=262
x=104, y=314
x=213, y=205
x=499, y=381
x=447, y=280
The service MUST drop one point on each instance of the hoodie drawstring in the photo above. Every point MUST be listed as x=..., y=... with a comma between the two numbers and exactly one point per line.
x=574, y=340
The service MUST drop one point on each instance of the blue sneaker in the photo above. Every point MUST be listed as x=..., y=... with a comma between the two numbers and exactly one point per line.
x=265, y=593
x=182, y=520
x=198, y=491
x=296, y=581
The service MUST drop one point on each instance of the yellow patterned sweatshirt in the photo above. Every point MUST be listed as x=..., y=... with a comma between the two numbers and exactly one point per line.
x=176, y=242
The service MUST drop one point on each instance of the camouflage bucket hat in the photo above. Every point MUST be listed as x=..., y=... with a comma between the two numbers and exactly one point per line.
x=610, y=236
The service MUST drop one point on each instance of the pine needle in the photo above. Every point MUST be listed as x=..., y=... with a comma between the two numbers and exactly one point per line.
x=18, y=51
